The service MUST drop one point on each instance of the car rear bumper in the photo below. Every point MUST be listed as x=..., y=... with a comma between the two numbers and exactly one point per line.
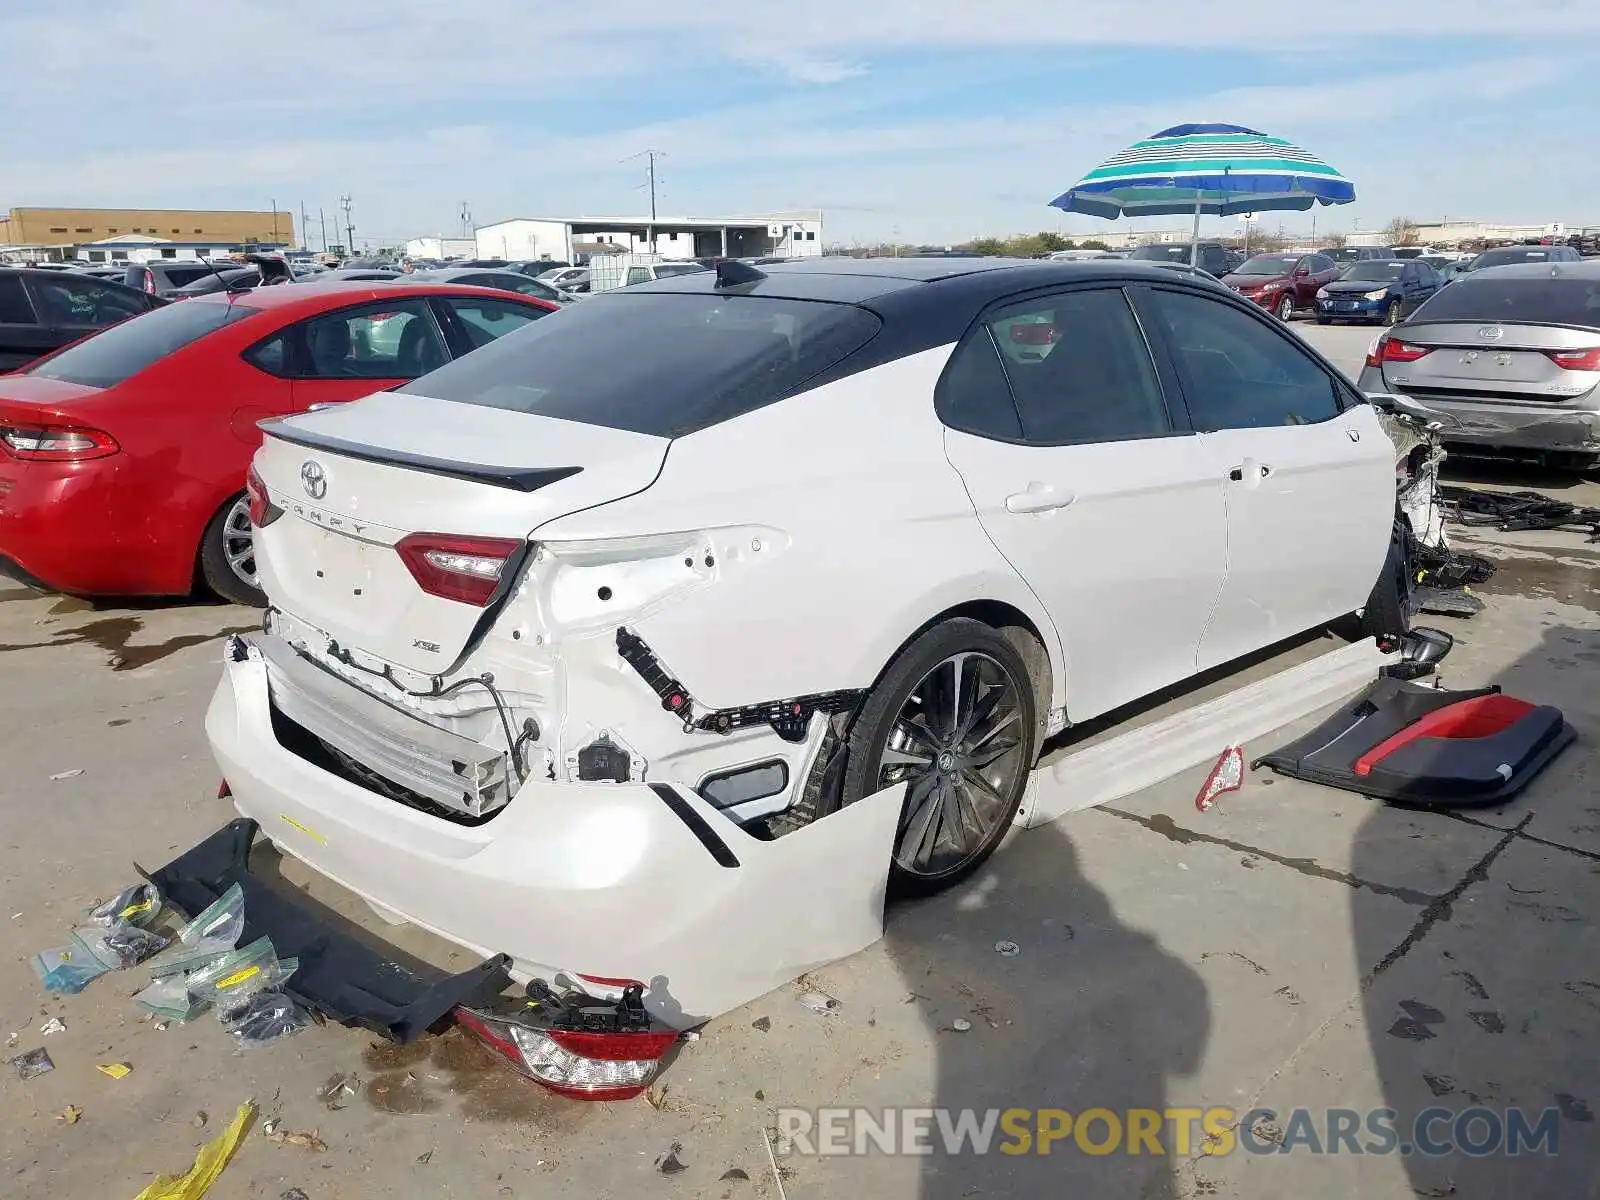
x=1509, y=426
x=57, y=528
x=631, y=881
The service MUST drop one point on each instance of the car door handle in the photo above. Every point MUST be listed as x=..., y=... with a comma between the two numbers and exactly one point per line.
x=1251, y=470
x=1039, y=497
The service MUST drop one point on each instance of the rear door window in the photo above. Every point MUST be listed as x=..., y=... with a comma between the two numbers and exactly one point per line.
x=395, y=339
x=122, y=351
x=1238, y=371
x=657, y=363
x=1078, y=369
x=482, y=321
x=15, y=307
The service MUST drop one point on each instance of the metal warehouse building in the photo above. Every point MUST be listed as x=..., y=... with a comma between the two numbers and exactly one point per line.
x=791, y=234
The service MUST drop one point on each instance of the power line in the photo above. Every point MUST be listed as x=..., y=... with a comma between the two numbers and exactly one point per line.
x=650, y=156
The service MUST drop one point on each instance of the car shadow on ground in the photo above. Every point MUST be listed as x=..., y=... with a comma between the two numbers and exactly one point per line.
x=1471, y=470
x=1088, y=1014
x=1491, y=1001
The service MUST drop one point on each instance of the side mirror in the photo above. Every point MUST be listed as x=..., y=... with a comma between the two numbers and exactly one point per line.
x=1302, y=272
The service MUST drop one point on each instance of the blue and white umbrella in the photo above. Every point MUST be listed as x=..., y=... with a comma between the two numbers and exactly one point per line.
x=1218, y=170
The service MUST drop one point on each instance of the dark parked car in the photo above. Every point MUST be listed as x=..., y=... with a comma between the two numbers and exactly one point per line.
x=1283, y=283
x=41, y=311
x=165, y=276
x=535, y=267
x=1505, y=256
x=1215, y=258
x=505, y=281
x=1345, y=255
x=1385, y=292
x=353, y=275
x=1505, y=358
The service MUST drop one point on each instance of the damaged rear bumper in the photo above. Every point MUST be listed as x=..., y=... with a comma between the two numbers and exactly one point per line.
x=632, y=881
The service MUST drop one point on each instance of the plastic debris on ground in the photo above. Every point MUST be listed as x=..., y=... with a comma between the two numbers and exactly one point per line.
x=114, y=940
x=305, y=1140
x=209, y=1163
x=117, y=1070
x=33, y=1064
x=70, y=1115
x=265, y=1016
x=169, y=999
x=53, y=1025
x=819, y=1002
x=137, y=905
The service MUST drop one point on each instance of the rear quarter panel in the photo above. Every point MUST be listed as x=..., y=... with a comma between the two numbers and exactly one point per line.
x=875, y=536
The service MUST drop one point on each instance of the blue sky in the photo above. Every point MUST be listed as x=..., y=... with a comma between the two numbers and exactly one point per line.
x=930, y=120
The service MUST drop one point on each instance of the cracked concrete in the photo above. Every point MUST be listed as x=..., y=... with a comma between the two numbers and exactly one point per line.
x=1294, y=947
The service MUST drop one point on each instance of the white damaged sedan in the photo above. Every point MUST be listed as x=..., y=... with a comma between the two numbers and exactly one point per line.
x=740, y=591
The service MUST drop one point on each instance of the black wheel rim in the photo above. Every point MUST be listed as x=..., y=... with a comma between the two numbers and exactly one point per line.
x=958, y=745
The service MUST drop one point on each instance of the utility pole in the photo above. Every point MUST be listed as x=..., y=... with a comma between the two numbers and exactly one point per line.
x=322, y=220
x=650, y=156
x=349, y=226
x=466, y=219
x=305, y=228
x=274, y=204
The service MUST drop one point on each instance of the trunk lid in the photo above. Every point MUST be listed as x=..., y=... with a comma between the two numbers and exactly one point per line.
x=1490, y=361
x=355, y=481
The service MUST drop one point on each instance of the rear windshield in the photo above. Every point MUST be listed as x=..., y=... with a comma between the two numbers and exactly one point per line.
x=1511, y=254
x=1545, y=301
x=664, y=364
x=179, y=276
x=1161, y=254
x=122, y=351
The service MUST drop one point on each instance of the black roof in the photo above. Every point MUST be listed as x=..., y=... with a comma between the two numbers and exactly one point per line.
x=958, y=280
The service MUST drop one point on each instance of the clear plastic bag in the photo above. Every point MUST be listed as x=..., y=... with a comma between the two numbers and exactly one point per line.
x=239, y=973
x=262, y=1016
x=212, y=934
x=137, y=905
x=120, y=945
x=66, y=970
x=169, y=999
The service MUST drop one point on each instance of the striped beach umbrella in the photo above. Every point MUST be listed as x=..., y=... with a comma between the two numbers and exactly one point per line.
x=1216, y=170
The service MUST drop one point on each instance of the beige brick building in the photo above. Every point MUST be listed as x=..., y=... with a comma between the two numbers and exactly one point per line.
x=76, y=226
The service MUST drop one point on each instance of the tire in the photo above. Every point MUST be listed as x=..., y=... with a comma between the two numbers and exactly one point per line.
x=1324, y=320
x=962, y=795
x=1387, y=616
x=1285, y=308
x=1391, y=315
x=220, y=548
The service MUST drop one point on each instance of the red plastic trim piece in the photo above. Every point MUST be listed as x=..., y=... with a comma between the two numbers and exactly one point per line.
x=1482, y=716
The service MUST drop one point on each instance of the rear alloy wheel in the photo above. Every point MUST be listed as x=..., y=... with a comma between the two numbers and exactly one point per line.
x=1285, y=309
x=953, y=720
x=1391, y=315
x=228, y=555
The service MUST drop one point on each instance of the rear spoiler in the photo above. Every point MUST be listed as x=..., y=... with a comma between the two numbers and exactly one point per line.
x=516, y=479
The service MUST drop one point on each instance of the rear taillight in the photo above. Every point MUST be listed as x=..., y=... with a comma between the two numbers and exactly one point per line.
x=1392, y=350
x=1576, y=360
x=467, y=569
x=263, y=511
x=150, y=281
x=614, y=1063
x=56, y=443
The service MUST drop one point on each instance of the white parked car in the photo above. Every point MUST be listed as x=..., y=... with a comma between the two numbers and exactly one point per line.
x=775, y=541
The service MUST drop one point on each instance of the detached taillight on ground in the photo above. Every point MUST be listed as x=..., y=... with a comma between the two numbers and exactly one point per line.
x=577, y=1046
x=453, y=567
x=57, y=443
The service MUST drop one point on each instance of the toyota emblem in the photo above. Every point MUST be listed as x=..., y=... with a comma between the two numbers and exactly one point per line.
x=1491, y=333
x=314, y=479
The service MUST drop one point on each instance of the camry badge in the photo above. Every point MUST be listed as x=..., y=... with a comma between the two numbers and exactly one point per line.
x=314, y=479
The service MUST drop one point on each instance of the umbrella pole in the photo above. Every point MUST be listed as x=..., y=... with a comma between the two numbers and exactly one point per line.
x=1194, y=242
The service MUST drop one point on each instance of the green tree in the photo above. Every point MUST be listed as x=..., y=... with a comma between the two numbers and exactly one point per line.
x=1093, y=244
x=1050, y=242
x=990, y=246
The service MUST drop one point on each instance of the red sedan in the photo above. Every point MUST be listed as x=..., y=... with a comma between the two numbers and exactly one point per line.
x=123, y=457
